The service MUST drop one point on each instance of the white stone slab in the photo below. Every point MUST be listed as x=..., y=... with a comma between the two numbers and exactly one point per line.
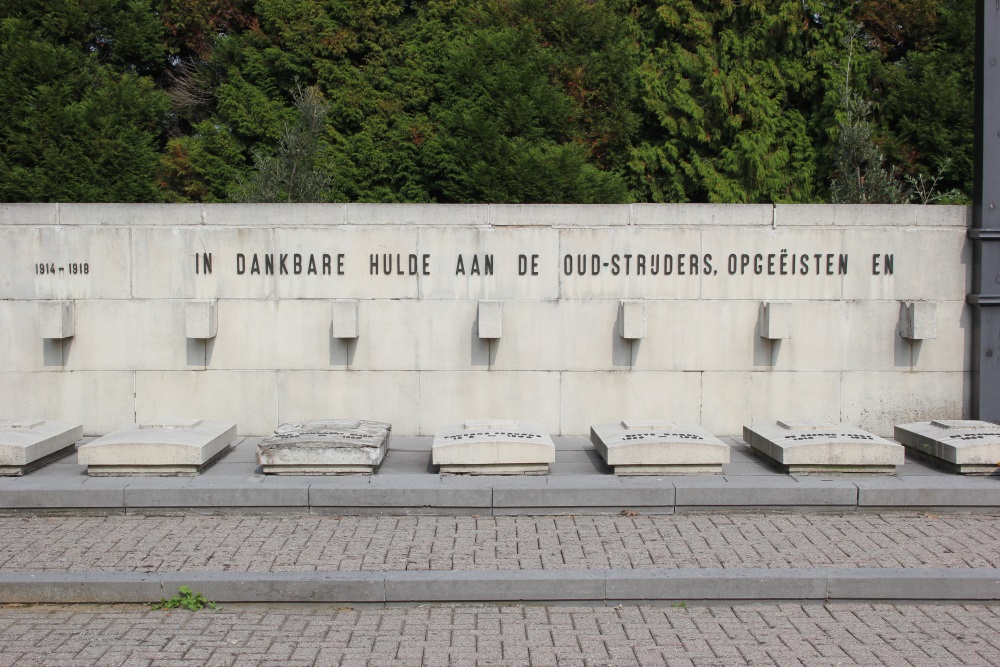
x=493, y=447
x=823, y=447
x=325, y=447
x=963, y=445
x=165, y=447
x=657, y=447
x=27, y=444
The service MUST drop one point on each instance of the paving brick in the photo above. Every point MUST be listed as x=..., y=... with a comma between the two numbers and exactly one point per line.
x=295, y=543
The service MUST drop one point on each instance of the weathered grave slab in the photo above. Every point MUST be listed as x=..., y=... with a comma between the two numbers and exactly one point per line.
x=159, y=448
x=658, y=447
x=824, y=448
x=965, y=446
x=27, y=444
x=493, y=447
x=325, y=447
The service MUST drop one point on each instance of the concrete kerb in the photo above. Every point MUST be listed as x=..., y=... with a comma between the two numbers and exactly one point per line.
x=413, y=494
x=606, y=587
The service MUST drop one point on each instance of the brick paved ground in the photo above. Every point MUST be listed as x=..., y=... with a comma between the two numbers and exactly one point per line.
x=309, y=543
x=814, y=635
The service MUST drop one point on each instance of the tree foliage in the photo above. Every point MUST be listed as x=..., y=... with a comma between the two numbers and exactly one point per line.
x=481, y=100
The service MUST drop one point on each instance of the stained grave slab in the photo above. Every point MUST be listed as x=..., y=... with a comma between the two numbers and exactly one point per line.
x=158, y=448
x=966, y=446
x=806, y=447
x=493, y=447
x=325, y=447
x=658, y=447
x=28, y=444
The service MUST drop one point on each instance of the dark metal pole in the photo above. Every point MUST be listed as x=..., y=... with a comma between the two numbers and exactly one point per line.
x=985, y=232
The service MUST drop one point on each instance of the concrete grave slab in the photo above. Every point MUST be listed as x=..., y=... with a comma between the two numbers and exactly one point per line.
x=158, y=448
x=965, y=446
x=325, y=447
x=28, y=444
x=806, y=447
x=657, y=447
x=493, y=447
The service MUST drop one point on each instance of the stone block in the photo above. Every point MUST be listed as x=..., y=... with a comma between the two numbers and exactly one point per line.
x=100, y=400
x=633, y=320
x=281, y=587
x=918, y=320
x=658, y=447
x=776, y=320
x=559, y=215
x=65, y=263
x=27, y=444
x=407, y=335
x=55, y=319
x=738, y=215
x=127, y=215
x=964, y=446
x=490, y=319
x=810, y=447
x=447, y=397
x=393, y=396
x=247, y=398
x=364, y=262
x=496, y=586
x=632, y=263
x=162, y=448
x=130, y=335
x=579, y=335
x=908, y=264
x=877, y=401
x=589, y=397
x=29, y=214
x=493, y=447
x=762, y=492
x=325, y=446
x=274, y=215
x=201, y=319
x=345, y=319
x=775, y=264
x=719, y=348
x=944, y=216
x=489, y=263
x=928, y=491
x=411, y=215
x=276, y=334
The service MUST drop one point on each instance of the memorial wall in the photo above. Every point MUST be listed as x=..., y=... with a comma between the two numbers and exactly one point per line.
x=425, y=315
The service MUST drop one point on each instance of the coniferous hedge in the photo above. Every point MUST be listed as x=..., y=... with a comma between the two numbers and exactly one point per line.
x=485, y=100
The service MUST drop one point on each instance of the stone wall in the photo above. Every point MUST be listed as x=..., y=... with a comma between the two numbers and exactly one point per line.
x=143, y=288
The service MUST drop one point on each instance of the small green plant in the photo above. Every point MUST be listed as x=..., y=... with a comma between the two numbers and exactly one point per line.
x=679, y=605
x=185, y=599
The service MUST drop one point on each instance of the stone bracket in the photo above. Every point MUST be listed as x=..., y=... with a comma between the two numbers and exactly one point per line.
x=56, y=319
x=918, y=320
x=490, y=317
x=345, y=319
x=775, y=319
x=201, y=319
x=633, y=320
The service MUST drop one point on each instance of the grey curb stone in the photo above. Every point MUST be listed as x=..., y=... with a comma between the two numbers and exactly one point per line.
x=495, y=586
x=716, y=584
x=931, y=584
x=554, y=494
x=77, y=587
x=765, y=492
x=583, y=586
x=281, y=586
